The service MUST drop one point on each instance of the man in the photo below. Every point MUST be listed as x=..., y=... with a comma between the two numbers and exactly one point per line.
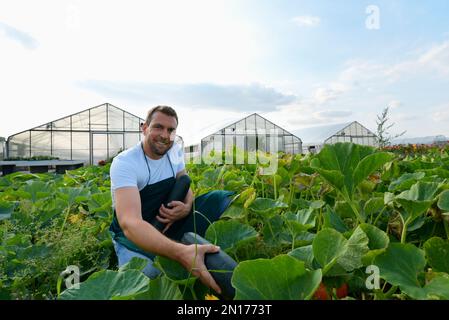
x=141, y=178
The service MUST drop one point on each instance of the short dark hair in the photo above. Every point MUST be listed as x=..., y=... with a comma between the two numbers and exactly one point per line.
x=169, y=111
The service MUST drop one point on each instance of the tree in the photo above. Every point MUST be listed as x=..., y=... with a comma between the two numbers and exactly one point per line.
x=382, y=129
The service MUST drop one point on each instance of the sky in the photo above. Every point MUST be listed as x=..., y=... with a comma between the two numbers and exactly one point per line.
x=298, y=63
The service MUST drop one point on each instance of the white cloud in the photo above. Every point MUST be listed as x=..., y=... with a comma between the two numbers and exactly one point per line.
x=394, y=104
x=241, y=97
x=307, y=21
x=23, y=38
x=441, y=115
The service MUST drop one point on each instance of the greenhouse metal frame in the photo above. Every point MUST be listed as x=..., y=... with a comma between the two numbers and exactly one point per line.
x=95, y=134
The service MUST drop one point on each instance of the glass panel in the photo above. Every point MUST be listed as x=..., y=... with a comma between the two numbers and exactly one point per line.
x=240, y=147
x=98, y=119
x=251, y=147
x=269, y=125
x=218, y=143
x=131, y=123
x=99, y=147
x=251, y=124
x=240, y=127
x=251, y=143
x=63, y=124
x=115, y=144
x=40, y=143
x=260, y=123
x=80, y=121
x=229, y=148
x=115, y=119
x=230, y=129
x=61, y=145
x=44, y=127
x=131, y=139
x=80, y=146
x=262, y=143
x=280, y=144
x=19, y=145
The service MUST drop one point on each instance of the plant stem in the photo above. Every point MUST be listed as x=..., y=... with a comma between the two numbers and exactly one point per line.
x=404, y=230
x=379, y=215
x=390, y=292
x=446, y=228
x=354, y=209
x=275, y=187
x=65, y=220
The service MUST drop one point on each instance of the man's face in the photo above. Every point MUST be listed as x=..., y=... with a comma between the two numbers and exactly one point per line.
x=160, y=133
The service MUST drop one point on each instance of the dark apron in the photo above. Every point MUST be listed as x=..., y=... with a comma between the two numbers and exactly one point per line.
x=211, y=204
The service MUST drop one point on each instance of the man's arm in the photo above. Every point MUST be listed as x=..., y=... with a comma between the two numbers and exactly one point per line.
x=144, y=235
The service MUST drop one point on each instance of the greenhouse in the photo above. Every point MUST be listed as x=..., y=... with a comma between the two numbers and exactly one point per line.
x=314, y=138
x=251, y=133
x=92, y=135
x=2, y=147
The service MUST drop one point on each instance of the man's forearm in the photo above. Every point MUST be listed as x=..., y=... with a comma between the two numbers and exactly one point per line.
x=151, y=240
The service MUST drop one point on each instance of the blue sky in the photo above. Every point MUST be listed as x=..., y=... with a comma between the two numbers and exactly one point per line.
x=298, y=63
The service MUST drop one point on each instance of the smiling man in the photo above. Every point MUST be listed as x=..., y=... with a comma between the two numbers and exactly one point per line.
x=141, y=179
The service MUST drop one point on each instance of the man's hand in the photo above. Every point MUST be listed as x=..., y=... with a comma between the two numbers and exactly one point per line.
x=192, y=258
x=177, y=211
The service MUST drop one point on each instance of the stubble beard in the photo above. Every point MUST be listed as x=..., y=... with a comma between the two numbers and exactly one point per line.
x=157, y=149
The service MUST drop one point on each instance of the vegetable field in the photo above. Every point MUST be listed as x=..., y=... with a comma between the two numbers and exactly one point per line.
x=351, y=222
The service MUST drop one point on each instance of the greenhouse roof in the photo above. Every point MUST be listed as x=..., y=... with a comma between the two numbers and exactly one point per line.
x=318, y=134
x=48, y=125
x=216, y=126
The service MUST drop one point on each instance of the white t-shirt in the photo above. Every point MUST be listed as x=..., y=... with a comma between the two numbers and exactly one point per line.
x=129, y=168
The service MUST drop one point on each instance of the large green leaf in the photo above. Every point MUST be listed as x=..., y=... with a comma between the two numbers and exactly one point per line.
x=378, y=239
x=6, y=209
x=418, y=199
x=267, y=207
x=136, y=263
x=174, y=271
x=405, y=181
x=335, y=254
x=37, y=189
x=280, y=278
x=234, y=212
x=274, y=232
x=100, y=203
x=107, y=285
x=437, y=253
x=303, y=220
x=369, y=164
x=334, y=177
x=356, y=248
x=346, y=165
x=333, y=220
x=72, y=195
x=378, y=242
x=328, y=246
x=304, y=254
x=400, y=264
x=437, y=288
x=161, y=288
x=228, y=234
x=443, y=201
